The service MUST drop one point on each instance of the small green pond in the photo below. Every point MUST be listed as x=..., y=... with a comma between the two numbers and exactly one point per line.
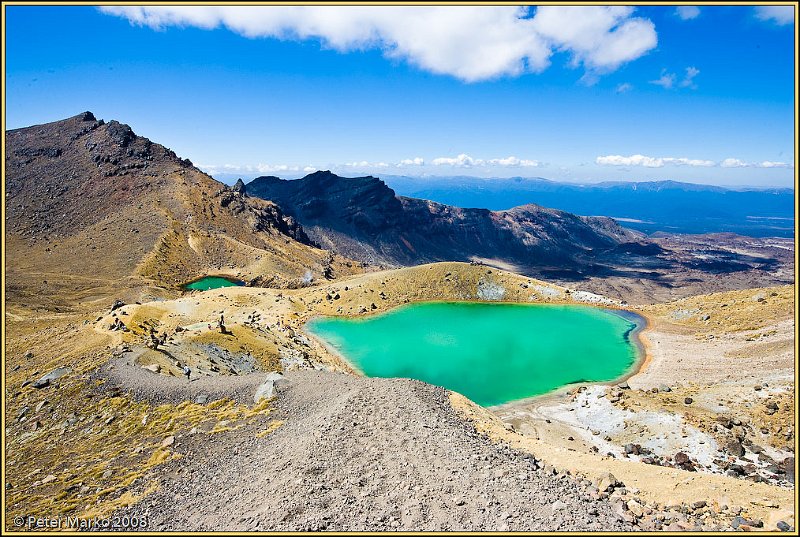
x=492, y=353
x=212, y=282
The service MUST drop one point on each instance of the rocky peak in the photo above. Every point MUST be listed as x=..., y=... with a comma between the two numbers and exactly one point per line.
x=239, y=187
x=120, y=133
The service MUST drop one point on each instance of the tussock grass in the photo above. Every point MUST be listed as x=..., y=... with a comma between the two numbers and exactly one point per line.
x=112, y=444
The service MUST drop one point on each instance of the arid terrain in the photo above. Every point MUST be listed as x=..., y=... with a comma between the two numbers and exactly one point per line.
x=103, y=227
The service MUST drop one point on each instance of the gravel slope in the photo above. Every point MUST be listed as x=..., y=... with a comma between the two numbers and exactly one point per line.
x=363, y=454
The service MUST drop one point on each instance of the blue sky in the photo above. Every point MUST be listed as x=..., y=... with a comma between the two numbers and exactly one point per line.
x=588, y=94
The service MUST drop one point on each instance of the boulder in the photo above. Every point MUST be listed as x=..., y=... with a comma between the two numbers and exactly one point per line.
x=787, y=465
x=635, y=508
x=607, y=482
x=270, y=387
x=39, y=384
x=734, y=447
x=55, y=374
x=155, y=368
x=633, y=449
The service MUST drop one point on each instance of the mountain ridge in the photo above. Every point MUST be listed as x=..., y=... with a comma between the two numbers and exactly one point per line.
x=363, y=218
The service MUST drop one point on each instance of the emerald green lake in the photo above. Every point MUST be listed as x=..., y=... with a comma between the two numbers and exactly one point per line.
x=492, y=353
x=211, y=282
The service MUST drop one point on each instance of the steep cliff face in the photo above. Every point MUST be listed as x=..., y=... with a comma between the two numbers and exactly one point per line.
x=90, y=198
x=363, y=219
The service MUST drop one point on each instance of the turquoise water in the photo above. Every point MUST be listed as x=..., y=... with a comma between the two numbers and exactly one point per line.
x=492, y=353
x=212, y=282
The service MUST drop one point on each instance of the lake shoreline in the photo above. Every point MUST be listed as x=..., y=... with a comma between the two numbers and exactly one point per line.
x=635, y=336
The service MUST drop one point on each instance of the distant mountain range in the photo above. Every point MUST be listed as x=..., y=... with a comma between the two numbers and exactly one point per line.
x=650, y=207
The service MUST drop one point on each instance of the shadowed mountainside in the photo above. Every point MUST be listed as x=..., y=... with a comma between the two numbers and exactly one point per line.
x=363, y=219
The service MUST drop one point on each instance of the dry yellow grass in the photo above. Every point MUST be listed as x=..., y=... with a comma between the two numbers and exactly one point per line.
x=112, y=443
x=732, y=311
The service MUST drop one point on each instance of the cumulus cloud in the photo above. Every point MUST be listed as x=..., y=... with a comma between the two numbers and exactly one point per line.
x=364, y=164
x=780, y=15
x=688, y=79
x=651, y=162
x=737, y=163
x=633, y=160
x=247, y=168
x=601, y=38
x=416, y=161
x=471, y=43
x=687, y=12
x=734, y=163
x=660, y=162
x=513, y=162
x=769, y=164
x=666, y=81
x=465, y=161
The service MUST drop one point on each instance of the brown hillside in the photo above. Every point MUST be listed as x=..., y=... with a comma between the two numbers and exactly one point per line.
x=90, y=202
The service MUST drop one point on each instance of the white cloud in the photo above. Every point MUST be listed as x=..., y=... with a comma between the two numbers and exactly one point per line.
x=624, y=87
x=769, y=164
x=466, y=161
x=471, y=43
x=780, y=15
x=734, y=163
x=601, y=38
x=363, y=164
x=461, y=161
x=688, y=80
x=633, y=160
x=248, y=168
x=309, y=169
x=416, y=161
x=651, y=162
x=660, y=162
x=666, y=81
x=272, y=168
x=687, y=12
x=513, y=162
x=690, y=162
